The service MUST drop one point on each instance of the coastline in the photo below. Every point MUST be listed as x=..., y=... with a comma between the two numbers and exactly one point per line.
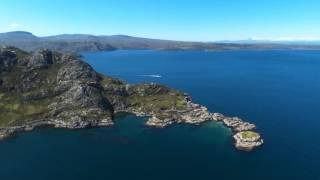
x=196, y=115
x=62, y=91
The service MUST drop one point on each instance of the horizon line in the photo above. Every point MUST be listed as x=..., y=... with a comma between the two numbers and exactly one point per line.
x=252, y=39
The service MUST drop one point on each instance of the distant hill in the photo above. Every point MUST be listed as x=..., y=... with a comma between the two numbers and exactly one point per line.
x=85, y=42
x=17, y=36
x=279, y=42
x=29, y=42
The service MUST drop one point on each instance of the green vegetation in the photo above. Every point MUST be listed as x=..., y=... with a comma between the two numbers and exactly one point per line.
x=143, y=97
x=106, y=81
x=44, y=85
x=154, y=97
x=17, y=107
x=157, y=103
x=15, y=111
x=249, y=134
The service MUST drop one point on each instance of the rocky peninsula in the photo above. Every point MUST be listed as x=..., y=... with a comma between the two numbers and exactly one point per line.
x=47, y=88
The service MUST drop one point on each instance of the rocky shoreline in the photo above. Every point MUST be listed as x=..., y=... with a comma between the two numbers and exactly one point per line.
x=6, y=132
x=197, y=114
x=47, y=88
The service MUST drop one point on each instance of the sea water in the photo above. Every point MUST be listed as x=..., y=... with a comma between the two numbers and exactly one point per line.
x=279, y=91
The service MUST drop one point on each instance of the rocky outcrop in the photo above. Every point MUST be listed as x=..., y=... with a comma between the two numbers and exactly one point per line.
x=6, y=132
x=59, y=90
x=54, y=89
x=7, y=60
x=40, y=59
x=193, y=114
x=160, y=123
x=237, y=124
x=197, y=114
x=241, y=128
x=247, y=140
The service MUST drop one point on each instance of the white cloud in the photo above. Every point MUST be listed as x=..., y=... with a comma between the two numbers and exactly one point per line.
x=15, y=25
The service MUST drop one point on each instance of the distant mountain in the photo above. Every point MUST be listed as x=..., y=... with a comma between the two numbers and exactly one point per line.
x=71, y=37
x=29, y=42
x=266, y=41
x=17, y=36
x=85, y=42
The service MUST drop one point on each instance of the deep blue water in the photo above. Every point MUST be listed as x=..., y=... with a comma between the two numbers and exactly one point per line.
x=279, y=91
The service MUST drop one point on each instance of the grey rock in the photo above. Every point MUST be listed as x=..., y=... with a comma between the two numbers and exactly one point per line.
x=247, y=144
x=7, y=59
x=40, y=59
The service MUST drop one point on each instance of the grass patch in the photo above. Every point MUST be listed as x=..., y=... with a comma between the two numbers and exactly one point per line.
x=15, y=111
x=158, y=102
x=249, y=134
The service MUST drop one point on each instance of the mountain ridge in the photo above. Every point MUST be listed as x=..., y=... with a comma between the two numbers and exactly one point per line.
x=86, y=42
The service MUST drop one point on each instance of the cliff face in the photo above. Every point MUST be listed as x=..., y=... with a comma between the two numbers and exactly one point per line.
x=49, y=86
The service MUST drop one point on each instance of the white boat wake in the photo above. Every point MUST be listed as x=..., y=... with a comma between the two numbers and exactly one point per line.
x=151, y=75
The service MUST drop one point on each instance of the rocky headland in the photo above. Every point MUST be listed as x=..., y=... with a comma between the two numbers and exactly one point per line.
x=47, y=88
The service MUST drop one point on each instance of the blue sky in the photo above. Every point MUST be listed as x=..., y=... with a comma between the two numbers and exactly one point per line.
x=196, y=20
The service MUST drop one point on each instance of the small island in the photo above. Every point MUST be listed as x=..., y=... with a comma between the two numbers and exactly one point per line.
x=48, y=88
x=247, y=140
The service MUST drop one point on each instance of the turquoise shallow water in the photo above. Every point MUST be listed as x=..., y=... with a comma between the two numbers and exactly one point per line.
x=279, y=91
